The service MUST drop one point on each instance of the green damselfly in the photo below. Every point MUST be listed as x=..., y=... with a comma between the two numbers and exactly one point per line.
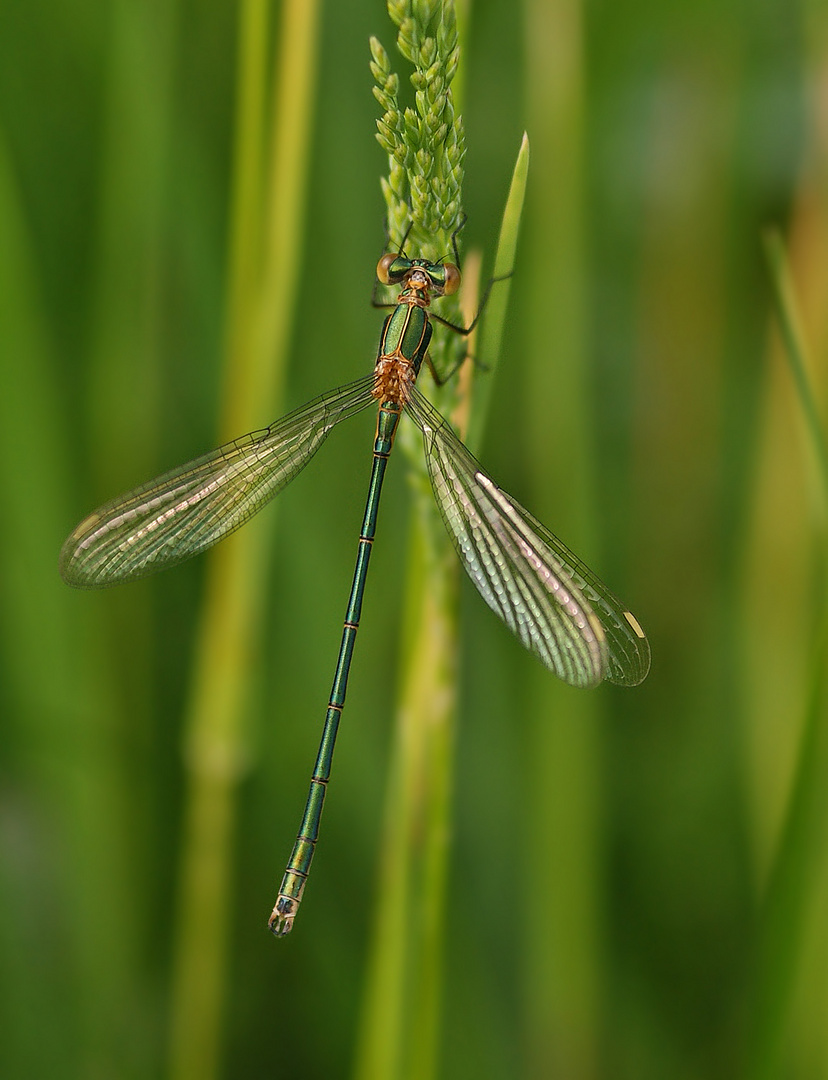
x=547, y=597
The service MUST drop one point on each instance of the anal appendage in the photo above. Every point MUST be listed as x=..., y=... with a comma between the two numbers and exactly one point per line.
x=284, y=912
x=287, y=903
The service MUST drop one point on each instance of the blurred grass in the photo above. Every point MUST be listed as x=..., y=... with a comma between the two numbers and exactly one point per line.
x=611, y=851
x=798, y=862
x=265, y=243
x=560, y=915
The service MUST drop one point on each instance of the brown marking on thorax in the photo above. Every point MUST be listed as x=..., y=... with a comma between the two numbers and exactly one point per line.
x=393, y=379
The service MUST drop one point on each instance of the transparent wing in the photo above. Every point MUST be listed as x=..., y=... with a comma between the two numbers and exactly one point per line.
x=194, y=506
x=546, y=596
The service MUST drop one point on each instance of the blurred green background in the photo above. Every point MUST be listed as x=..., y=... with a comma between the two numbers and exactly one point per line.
x=639, y=882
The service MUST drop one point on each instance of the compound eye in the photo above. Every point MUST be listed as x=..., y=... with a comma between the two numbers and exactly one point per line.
x=384, y=275
x=452, y=279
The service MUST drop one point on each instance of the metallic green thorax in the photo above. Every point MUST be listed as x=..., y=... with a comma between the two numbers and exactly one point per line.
x=406, y=333
x=403, y=345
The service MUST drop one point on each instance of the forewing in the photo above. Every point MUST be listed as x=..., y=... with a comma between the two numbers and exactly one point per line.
x=194, y=506
x=546, y=596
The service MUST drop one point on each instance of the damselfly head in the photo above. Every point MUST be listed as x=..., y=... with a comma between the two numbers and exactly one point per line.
x=396, y=269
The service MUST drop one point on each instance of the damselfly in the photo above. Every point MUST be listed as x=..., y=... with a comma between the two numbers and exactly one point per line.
x=547, y=597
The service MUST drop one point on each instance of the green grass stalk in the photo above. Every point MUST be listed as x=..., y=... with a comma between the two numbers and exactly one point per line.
x=73, y=896
x=402, y=1013
x=400, y=1024
x=117, y=417
x=799, y=859
x=559, y=903
x=400, y=1019
x=790, y=325
x=261, y=293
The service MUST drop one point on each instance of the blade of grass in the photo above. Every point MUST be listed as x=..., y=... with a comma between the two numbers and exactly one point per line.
x=795, y=351
x=490, y=338
x=799, y=857
x=118, y=423
x=260, y=304
x=67, y=896
x=123, y=409
x=560, y=903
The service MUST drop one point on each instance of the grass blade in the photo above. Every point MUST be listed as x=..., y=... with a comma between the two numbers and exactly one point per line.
x=260, y=305
x=799, y=857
